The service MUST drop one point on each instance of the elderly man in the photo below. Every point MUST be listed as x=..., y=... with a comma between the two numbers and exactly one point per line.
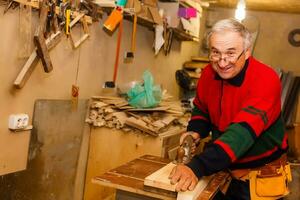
x=238, y=101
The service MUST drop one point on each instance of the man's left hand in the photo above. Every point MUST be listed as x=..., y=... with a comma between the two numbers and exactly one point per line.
x=185, y=178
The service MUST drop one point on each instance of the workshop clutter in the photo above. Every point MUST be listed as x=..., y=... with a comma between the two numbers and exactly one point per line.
x=115, y=112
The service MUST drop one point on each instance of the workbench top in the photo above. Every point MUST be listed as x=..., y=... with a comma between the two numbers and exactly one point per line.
x=130, y=177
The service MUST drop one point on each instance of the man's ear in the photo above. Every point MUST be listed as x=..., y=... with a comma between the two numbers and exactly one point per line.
x=248, y=53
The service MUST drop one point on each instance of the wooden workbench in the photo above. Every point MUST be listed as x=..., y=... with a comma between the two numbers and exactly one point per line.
x=128, y=179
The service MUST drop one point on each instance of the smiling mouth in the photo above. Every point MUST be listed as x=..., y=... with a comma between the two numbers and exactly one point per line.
x=225, y=69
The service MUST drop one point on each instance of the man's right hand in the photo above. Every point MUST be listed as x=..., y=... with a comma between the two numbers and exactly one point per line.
x=196, y=138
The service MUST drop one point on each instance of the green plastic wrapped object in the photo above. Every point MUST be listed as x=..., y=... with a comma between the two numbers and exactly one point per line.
x=145, y=95
x=121, y=3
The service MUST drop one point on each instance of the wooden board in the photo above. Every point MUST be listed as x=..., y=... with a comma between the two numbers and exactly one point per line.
x=194, y=65
x=193, y=195
x=130, y=176
x=30, y=64
x=160, y=179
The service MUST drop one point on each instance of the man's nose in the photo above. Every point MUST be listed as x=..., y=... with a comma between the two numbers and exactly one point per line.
x=222, y=62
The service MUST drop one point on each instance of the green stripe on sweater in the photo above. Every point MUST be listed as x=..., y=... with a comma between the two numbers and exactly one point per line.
x=272, y=137
x=197, y=112
x=238, y=138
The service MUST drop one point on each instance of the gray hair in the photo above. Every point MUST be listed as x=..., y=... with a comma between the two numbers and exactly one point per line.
x=232, y=25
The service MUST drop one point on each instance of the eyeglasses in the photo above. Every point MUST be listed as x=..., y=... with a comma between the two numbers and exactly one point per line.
x=216, y=56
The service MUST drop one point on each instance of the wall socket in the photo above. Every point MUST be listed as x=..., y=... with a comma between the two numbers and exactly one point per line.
x=18, y=121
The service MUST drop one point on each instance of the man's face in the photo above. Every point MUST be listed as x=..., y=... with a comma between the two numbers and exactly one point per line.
x=227, y=53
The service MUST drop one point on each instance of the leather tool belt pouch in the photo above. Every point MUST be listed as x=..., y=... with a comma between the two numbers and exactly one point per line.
x=270, y=181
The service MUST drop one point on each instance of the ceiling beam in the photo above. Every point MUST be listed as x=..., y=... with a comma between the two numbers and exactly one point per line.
x=287, y=6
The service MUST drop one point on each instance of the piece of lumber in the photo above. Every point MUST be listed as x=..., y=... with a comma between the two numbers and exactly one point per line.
x=141, y=125
x=155, y=15
x=194, y=65
x=194, y=194
x=200, y=59
x=25, y=36
x=160, y=179
x=30, y=64
x=130, y=177
x=193, y=74
x=82, y=163
x=161, y=108
x=40, y=41
x=86, y=34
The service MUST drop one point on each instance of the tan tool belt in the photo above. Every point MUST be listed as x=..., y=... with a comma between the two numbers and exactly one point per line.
x=267, y=182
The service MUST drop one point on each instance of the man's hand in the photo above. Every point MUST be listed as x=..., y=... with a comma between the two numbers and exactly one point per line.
x=196, y=138
x=185, y=178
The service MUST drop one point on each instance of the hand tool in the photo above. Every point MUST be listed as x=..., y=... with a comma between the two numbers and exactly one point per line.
x=112, y=84
x=130, y=54
x=184, y=153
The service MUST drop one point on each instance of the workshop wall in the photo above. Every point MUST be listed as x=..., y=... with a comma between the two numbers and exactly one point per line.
x=95, y=67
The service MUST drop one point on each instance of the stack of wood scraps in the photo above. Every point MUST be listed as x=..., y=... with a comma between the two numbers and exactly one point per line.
x=115, y=112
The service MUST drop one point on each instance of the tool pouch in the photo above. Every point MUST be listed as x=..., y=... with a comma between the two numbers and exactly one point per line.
x=269, y=182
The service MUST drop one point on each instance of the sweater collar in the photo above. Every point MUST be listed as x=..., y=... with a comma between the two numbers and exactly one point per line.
x=239, y=78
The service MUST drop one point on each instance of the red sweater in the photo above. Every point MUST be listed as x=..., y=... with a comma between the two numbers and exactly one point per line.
x=244, y=116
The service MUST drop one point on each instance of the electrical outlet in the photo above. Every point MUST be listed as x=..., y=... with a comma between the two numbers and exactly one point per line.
x=18, y=121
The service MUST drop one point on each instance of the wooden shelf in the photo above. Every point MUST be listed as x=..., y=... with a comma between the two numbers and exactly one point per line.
x=184, y=36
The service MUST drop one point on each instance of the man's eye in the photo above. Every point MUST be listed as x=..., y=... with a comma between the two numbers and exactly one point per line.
x=215, y=52
x=230, y=54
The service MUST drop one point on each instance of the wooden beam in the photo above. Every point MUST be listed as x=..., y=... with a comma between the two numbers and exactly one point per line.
x=40, y=41
x=25, y=34
x=30, y=64
x=160, y=179
x=288, y=6
x=82, y=19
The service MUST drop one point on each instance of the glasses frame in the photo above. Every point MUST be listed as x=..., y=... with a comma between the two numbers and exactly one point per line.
x=226, y=59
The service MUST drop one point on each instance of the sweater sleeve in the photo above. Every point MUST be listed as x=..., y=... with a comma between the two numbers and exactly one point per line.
x=200, y=121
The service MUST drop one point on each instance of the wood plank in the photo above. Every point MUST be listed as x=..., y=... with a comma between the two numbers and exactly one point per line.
x=192, y=195
x=160, y=178
x=43, y=53
x=82, y=163
x=30, y=64
x=287, y=6
x=138, y=168
x=139, y=124
x=193, y=74
x=130, y=176
x=194, y=65
x=200, y=59
x=26, y=71
x=155, y=15
x=161, y=108
x=127, y=184
x=40, y=41
x=25, y=36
